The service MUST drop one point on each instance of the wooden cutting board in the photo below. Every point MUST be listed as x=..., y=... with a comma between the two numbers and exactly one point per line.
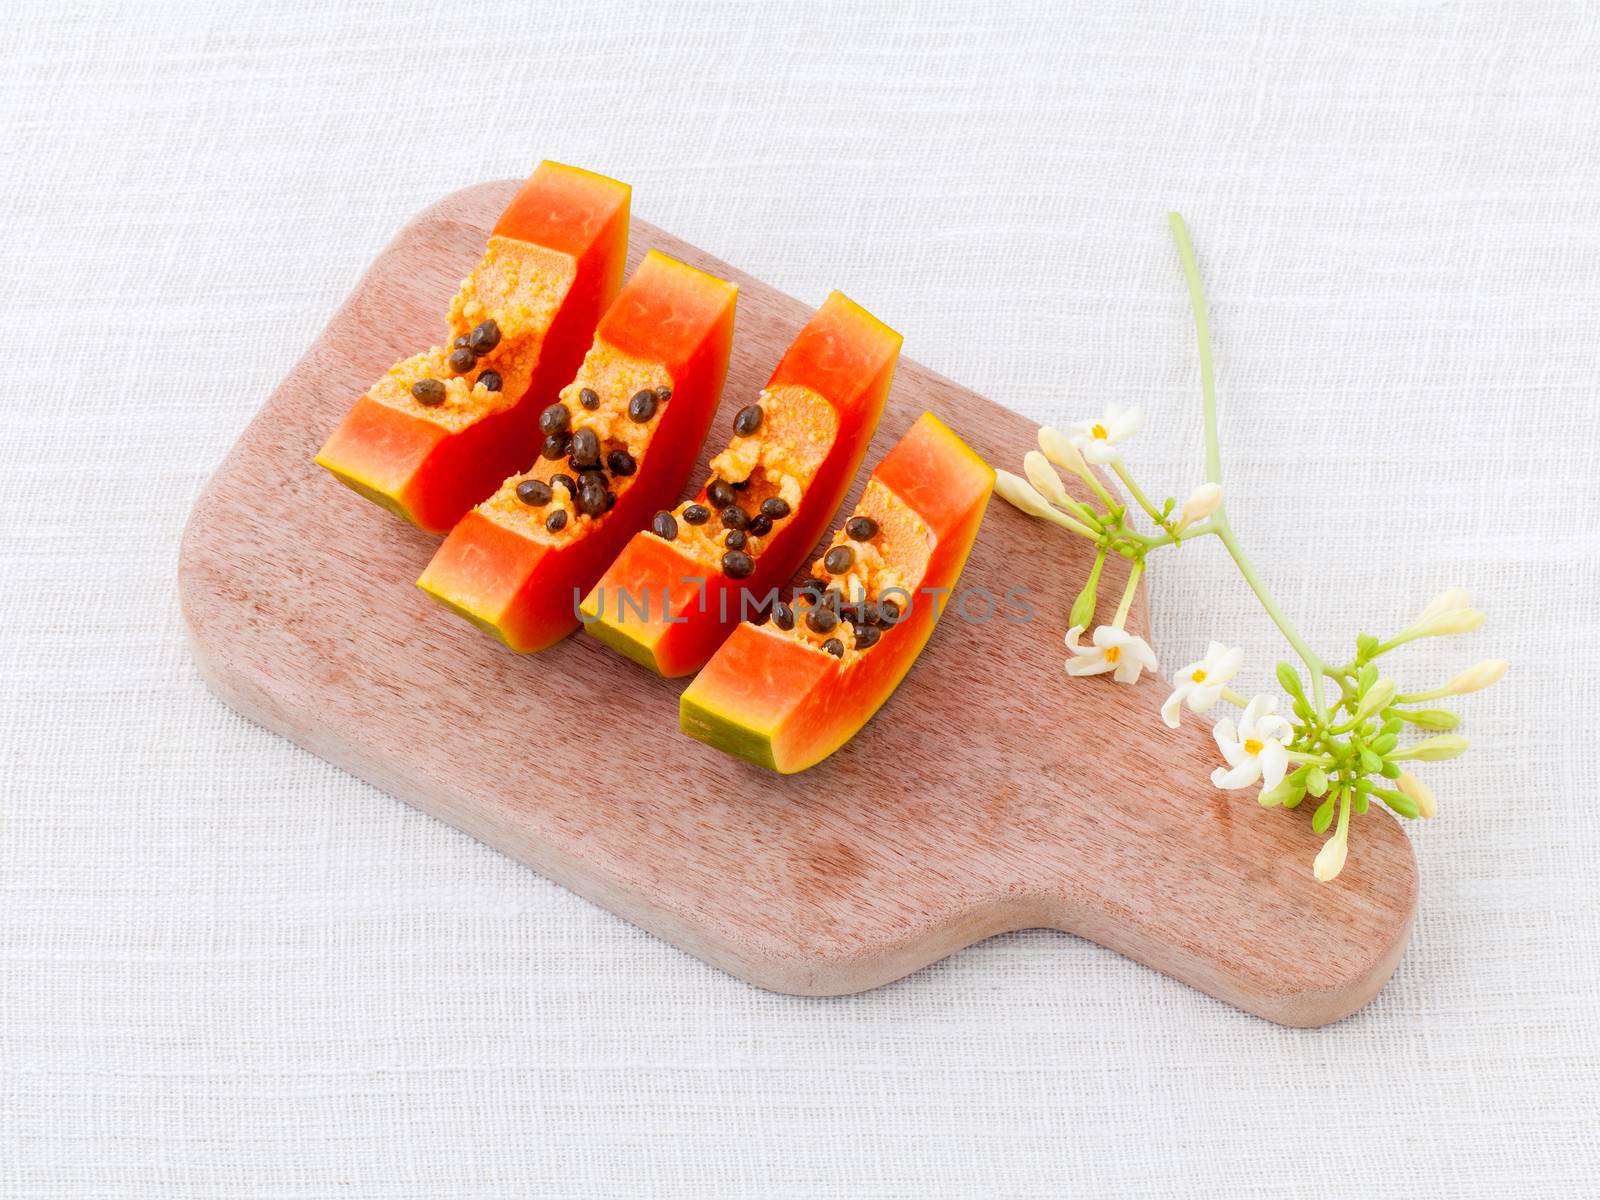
x=986, y=796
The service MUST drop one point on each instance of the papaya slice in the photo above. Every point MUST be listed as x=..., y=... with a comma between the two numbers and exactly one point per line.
x=679, y=588
x=442, y=428
x=788, y=692
x=617, y=444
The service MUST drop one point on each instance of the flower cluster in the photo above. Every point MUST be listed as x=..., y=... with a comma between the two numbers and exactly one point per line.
x=1340, y=740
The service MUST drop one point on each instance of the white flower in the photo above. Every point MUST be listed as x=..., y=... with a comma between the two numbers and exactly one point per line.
x=1255, y=750
x=1202, y=683
x=1095, y=439
x=1112, y=649
x=1202, y=502
x=1330, y=859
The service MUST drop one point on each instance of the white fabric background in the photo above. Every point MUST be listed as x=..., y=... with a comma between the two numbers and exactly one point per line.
x=226, y=969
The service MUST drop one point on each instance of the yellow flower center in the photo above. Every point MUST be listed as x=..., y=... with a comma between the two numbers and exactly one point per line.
x=1251, y=746
x=1199, y=675
x=1113, y=653
x=1099, y=431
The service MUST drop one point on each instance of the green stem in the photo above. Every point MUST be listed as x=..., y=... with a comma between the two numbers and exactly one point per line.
x=1168, y=539
x=1099, y=489
x=1219, y=519
x=1300, y=756
x=1137, y=492
x=1438, y=693
x=1202, y=330
x=1127, y=593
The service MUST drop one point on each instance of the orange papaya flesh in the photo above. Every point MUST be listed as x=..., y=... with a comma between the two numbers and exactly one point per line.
x=668, y=604
x=553, y=263
x=518, y=563
x=787, y=693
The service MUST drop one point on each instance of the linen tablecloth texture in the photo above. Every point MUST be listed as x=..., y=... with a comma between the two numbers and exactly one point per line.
x=228, y=969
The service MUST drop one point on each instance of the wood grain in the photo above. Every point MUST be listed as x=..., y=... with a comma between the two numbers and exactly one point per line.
x=983, y=798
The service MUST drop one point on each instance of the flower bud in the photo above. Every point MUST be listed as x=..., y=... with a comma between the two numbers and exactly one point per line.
x=1289, y=791
x=1460, y=620
x=1019, y=492
x=1446, y=601
x=1436, y=749
x=1376, y=698
x=1431, y=718
x=1083, y=607
x=1419, y=793
x=1044, y=478
x=1202, y=502
x=1448, y=613
x=1476, y=678
x=1058, y=448
x=1330, y=859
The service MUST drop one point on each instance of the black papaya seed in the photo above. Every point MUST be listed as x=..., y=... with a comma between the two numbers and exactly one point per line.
x=428, y=391
x=555, y=419
x=821, y=619
x=642, y=406
x=484, y=338
x=535, y=493
x=862, y=529
x=748, y=420
x=585, y=448
x=839, y=560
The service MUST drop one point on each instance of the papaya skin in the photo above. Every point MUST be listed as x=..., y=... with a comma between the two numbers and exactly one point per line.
x=501, y=567
x=553, y=263
x=774, y=697
x=843, y=360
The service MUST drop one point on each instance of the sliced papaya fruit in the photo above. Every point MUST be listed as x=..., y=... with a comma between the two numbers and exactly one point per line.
x=680, y=587
x=616, y=445
x=440, y=431
x=788, y=692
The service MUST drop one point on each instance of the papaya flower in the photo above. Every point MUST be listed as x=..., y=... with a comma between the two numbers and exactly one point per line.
x=1044, y=479
x=1255, y=750
x=1476, y=678
x=1420, y=793
x=1202, y=502
x=1202, y=683
x=1058, y=448
x=1095, y=439
x=1112, y=649
x=1017, y=491
x=1330, y=859
x=1448, y=613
